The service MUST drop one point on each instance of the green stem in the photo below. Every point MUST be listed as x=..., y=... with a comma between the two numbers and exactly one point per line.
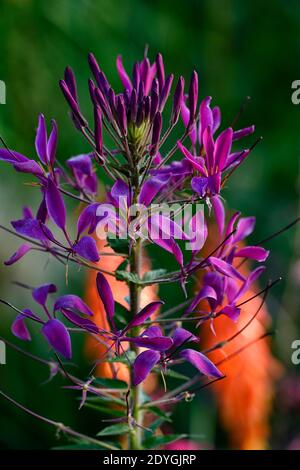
x=135, y=440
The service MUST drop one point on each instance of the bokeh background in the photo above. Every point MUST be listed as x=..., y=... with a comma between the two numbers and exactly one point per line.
x=239, y=49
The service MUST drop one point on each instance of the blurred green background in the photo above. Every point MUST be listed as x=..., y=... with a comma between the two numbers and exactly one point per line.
x=239, y=49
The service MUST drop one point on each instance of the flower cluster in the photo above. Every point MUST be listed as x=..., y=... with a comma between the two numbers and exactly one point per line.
x=143, y=171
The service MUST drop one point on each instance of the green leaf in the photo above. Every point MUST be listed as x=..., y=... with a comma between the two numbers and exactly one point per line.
x=105, y=410
x=118, y=245
x=175, y=375
x=158, y=412
x=111, y=383
x=151, y=276
x=127, y=358
x=157, y=441
x=115, y=430
x=127, y=276
x=156, y=424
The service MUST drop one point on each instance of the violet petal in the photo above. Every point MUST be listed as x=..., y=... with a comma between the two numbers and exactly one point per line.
x=21, y=251
x=106, y=296
x=55, y=204
x=86, y=247
x=58, y=337
x=41, y=293
x=19, y=328
x=143, y=315
x=41, y=140
x=143, y=364
x=201, y=362
x=72, y=302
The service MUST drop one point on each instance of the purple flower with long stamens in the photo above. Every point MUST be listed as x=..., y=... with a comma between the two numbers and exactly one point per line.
x=54, y=331
x=147, y=168
x=159, y=343
x=146, y=360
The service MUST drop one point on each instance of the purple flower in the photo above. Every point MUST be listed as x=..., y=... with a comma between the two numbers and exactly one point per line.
x=224, y=284
x=146, y=360
x=54, y=331
x=85, y=176
x=45, y=149
x=159, y=343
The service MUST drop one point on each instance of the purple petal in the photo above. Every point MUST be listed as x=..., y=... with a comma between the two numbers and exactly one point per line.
x=197, y=231
x=31, y=166
x=207, y=292
x=42, y=213
x=199, y=185
x=217, y=282
x=19, y=328
x=81, y=164
x=160, y=70
x=86, y=219
x=245, y=227
x=152, y=332
x=160, y=343
x=21, y=251
x=58, y=337
x=230, y=227
x=120, y=190
x=243, y=132
x=98, y=130
x=197, y=162
x=143, y=364
x=157, y=126
x=41, y=140
x=32, y=228
x=253, y=252
x=209, y=147
x=162, y=226
x=219, y=212
x=206, y=117
x=87, y=248
x=150, y=189
x=72, y=302
x=165, y=92
x=231, y=312
x=55, y=205
x=201, y=362
x=41, y=293
x=106, y=296
x=225, y=268
x=253, y=276
x=214, y=183
x=83, y=323
x=143, y=315
x=27, y=213
x=171, y=246
x=222, y=148
x=52, y=143
x=236, y=158
x=193, y=96
x=29, y=314
x=123, y=74
x=216, y=118
x=11, y=156
x=181, y=336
